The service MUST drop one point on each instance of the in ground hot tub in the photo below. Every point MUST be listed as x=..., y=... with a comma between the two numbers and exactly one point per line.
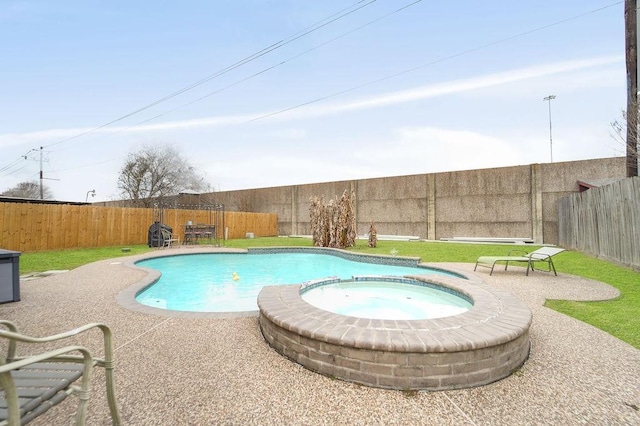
x=384, y=298
x=484, y=344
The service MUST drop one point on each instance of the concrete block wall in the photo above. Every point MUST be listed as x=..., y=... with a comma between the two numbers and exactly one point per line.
x=397, y=206
x=487, y=203
x=519, y=201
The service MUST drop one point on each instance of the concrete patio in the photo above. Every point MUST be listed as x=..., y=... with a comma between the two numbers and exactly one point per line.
x=185, y=370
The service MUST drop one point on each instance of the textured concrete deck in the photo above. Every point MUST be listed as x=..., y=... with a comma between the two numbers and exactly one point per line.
x=173, y=371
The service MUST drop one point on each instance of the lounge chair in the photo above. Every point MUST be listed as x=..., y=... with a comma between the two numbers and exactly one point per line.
x=543, y=254
x=33, y=384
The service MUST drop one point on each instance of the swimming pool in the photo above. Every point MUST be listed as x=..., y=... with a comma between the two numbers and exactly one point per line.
x=230, y=282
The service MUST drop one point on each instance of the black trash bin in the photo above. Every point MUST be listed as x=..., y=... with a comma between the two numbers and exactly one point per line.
x=9, y=276
x=159, y=233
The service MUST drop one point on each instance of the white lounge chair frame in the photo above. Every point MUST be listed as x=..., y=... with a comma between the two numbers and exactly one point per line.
x=33, y=384
x=543, y=254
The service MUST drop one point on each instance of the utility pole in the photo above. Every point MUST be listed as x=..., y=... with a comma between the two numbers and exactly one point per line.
x=548, y=99
x=41, y=160
x=631, y=44
x=41, y=177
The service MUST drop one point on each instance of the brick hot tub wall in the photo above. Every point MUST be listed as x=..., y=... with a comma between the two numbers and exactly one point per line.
x=480, y=346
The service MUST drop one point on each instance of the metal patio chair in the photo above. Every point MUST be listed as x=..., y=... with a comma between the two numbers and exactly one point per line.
x=543, y=254
x=32, y=384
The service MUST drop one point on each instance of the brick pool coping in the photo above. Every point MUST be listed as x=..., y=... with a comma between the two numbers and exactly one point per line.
x=480, y=346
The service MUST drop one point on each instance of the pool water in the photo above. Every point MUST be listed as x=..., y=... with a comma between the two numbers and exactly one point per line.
x=399, y=300
x=230, y=282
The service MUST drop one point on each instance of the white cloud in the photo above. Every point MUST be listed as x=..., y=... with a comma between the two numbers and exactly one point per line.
x=53, y=136
x=412, y=150
x=290, y=133
x=430, y=149
x=382, y=100
x=460, y=86
x=14, y=139
x=609, y=77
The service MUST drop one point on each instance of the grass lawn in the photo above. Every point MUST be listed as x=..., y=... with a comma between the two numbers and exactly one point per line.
x=72, y=258
x=619, y=317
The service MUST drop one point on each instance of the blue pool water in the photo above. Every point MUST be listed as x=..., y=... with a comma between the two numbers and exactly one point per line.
x=230, y=282
x=398, y=299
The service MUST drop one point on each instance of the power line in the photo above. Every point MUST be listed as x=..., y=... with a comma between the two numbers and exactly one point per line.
x=15, y=163
x=293, y=57
x=263, y=70
x=17, y=160
x=398, y=74
x=456, y=55
x=14, y=171
x=314, y=27
x=308, y=30
x=300, y=34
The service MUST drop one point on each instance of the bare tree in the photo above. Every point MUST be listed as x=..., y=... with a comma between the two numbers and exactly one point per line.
x=155, y=172
x=29, y=189
x=627, y=136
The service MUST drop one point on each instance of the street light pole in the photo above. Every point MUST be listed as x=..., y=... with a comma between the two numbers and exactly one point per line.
x=548, y=99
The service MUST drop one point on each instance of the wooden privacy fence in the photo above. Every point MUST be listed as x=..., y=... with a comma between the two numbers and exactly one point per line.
x=29, y=227
x=604, y=222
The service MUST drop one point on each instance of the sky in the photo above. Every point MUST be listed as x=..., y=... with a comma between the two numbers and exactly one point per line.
x=261, y=93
